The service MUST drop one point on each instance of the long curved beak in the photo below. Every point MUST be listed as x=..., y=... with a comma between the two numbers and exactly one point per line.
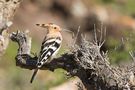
x=43, y=25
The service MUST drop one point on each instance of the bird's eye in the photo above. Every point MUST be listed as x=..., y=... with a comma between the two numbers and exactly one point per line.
x=55, y=27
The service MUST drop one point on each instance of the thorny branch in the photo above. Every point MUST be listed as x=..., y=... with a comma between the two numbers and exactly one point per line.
x=86, y=62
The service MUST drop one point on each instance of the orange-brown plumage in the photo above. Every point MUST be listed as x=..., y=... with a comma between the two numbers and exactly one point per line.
x=50, y=45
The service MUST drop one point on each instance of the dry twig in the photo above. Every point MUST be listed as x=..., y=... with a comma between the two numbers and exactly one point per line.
x=86, y=62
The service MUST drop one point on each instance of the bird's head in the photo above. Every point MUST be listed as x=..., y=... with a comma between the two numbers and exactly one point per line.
x=50, y=27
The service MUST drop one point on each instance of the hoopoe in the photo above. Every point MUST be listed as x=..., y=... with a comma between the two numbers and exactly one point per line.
x=50, y=45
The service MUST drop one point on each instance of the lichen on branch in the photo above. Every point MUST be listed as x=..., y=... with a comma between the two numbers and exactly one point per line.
x=7, y=11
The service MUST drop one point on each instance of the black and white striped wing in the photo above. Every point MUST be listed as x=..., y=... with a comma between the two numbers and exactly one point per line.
x=48, y=49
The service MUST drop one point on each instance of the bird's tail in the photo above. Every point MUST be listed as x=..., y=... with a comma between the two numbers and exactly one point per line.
x=34, y=74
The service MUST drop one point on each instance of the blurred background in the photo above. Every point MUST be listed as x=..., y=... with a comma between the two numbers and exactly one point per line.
x=117, y=17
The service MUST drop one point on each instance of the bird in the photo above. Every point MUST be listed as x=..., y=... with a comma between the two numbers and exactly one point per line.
x=50, y=45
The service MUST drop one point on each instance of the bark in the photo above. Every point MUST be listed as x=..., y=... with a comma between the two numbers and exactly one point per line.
x=85, y=61
x=7, y=11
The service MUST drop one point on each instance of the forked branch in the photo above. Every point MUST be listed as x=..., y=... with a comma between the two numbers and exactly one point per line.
x=85, y=61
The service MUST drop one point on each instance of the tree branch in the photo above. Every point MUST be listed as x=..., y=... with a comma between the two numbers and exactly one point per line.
x=85, y=61
x=7, y=10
